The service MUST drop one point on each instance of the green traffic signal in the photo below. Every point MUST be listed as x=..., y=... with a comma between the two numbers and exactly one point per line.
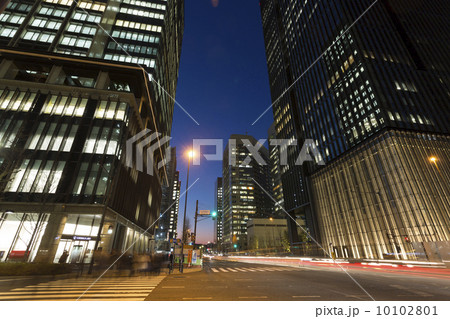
x=213, y=214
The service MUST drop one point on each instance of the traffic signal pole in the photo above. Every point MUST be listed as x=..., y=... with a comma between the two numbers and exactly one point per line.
x=195, y=224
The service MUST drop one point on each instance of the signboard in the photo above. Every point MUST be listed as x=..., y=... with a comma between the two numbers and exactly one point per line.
x=204, y=212
x=18, y=254
x=188, y=247
x=194, y=256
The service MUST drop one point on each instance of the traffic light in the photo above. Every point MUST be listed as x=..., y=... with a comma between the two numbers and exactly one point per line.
x=235, y=245
x=213, y=214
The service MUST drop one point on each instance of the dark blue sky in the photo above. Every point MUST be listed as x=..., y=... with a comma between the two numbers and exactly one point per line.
x=223, y=84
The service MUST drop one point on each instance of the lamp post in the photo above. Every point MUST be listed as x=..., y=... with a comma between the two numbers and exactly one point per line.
x=190, y=155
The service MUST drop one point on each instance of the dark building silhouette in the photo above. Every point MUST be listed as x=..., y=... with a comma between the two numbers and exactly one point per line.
x=369, y=84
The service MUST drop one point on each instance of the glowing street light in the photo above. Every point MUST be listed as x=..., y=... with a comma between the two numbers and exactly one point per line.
x=433, y=160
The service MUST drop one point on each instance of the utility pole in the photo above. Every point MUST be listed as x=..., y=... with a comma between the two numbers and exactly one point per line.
x=190, y=154
x=195, y=224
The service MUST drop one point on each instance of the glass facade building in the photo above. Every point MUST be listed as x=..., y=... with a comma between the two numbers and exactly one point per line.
x=275, y=174
x=218, y=206
x=356, y=70
x=170, y=202
x=243, y=198
x=67, y=109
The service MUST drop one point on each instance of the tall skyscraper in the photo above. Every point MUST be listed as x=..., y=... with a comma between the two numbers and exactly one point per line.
x=275, y=174
x=243, y=199
x=218, y=205
x=70, y=97
x=170, y=201
x=369, y=83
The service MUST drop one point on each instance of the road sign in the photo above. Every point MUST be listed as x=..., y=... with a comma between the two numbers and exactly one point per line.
x=204, y=212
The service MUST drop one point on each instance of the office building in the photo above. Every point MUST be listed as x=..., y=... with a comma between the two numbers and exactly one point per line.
x=167, y=224
x=69, y=100
x=218, y=206
x=369, y=84
x=275, y=174
x=244, y=186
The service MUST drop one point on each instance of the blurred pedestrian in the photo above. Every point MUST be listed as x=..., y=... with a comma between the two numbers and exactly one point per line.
x=63, y=257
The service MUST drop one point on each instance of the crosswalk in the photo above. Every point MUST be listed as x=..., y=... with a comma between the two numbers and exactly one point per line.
x=109, y=289
x=248, y=269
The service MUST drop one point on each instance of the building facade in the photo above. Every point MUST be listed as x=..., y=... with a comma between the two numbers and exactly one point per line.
x=167, y=225
x=275, y=174
x=269, y=235
x=218, y=206
x=68, y=104
x=244, y=187
x=362, y=73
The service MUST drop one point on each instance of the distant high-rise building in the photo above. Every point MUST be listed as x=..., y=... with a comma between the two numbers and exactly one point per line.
x=170, y=201
x=369, y=83
x=243, y=198
x=218, y=205
x=275, y=174
x=70, y=97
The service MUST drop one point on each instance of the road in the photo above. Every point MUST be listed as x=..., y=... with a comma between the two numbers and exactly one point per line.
x=226, y=280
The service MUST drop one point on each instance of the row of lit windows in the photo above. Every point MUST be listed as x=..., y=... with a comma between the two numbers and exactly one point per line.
x=145, y=4
x=129, y=59
x=8, y=132
x=17, y=6
x=133, y=48
x=83, y=29
x=39, y=36
x=78, y=41
x=114, y=110
x=46, y=23
x=65, y=105
x=137, y=25
x=7, y=32
x=135, y=36
x=61, y=2
x=83, y=16
x=16, y=101
x=53, y=11
x=48, y=138
x=88, y=179
x=37, y=177
x=12, y=18
x=142, y=13
x=99, y=141
x=92, y=5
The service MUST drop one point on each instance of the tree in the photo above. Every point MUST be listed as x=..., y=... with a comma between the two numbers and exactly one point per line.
x=285, y=242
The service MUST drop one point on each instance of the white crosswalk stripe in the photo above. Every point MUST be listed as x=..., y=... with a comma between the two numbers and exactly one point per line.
x=121, y=288
x=250, y=269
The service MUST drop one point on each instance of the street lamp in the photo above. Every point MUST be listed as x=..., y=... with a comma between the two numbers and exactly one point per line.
x=190, y=154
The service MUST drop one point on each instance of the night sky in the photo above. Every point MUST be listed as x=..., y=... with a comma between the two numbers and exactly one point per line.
x=223, y=84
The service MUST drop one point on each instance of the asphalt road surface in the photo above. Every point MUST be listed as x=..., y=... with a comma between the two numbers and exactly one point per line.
x=225, y=280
